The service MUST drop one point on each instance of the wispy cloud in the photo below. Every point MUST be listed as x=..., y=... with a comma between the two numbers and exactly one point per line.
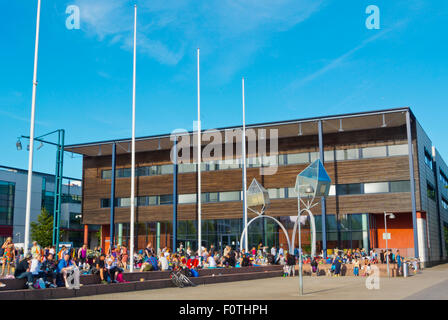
x=14, y=116
x=339, y=61
x=167, y=29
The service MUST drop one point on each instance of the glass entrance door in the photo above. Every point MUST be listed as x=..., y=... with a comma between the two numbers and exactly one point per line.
x=231, y=240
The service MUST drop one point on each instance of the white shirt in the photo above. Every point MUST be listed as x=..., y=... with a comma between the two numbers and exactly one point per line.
x=280, y=251
x=211, y=262
x=164, y=263
x=35, y=266
x=273, y=251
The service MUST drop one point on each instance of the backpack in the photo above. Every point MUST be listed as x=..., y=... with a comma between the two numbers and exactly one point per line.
x=120, y=278
x=194, y=273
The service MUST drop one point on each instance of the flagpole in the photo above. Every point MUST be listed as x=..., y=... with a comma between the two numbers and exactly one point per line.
x=30, y=156
x=243, y=154
x=133, y=148
x=199, y=167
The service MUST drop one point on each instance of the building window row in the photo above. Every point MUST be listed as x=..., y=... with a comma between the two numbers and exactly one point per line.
x=274, y=193
x=256, y=162
x=7, y=190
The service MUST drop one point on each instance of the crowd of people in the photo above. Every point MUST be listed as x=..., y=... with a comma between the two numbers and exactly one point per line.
x=46, y=268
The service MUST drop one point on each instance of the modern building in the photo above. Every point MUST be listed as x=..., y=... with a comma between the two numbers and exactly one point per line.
x=379, y=161
x=13, y=189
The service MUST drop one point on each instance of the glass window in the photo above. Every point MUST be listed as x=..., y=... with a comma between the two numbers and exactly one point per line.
x=230, y=196
x=374, y=152
x=142, y=171
x=329, y=155
x=269, y=161
x=398, y=150
x=187, y=167
x=331, y=223
x=165, y=199
x=166, y=169
x=282, y=159
x=443, y=178
x=292, y=193
x=229, y=164
x=431, y=191
x=297, y=158
x=400, y=186
x=153, y=170
x=428, y=158
x=212, y=166
x=213, y=197
x=142, y=201
x=377, y=187
x=253, y=162
x=105, y=203
x=152, y=200
x=123, y=202
x=356, y=221
x=314, y=156
x=347, y=154
x=187, y=198
x=346, y=189
x=332, y=191
x=444, y=203
x=106, y=174
x=276, y=193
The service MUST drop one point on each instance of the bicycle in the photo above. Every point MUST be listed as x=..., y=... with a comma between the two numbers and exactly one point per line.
x=179, y=279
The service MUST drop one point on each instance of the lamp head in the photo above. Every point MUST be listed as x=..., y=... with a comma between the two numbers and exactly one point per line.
x=19, y=145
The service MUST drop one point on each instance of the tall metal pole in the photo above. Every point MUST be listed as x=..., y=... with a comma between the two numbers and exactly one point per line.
x=199, y=168
x=58, y=195
x=243, y=154
x=30, y=157
x=323, y=206
x=112, y=199
x=387, y=255
x=133, y=147
x=175, y=196
x=300, y=248
x=412, y=181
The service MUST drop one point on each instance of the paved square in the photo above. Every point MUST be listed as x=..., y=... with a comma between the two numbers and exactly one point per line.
x=431, y=284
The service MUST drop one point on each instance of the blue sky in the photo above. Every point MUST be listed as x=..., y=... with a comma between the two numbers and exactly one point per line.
x=300, y=58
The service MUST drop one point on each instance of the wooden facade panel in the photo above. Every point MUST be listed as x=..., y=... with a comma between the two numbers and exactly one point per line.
x=341, y=172
x=372, y=203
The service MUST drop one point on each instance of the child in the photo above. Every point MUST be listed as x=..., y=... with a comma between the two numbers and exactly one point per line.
x=356, y=267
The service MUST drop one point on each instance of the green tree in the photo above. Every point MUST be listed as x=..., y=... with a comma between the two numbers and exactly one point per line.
x=42, y=230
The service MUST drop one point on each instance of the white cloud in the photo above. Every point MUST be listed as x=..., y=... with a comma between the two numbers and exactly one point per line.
x=167, y=29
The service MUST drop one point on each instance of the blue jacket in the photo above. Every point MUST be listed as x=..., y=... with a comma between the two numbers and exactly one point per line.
x=63, y=264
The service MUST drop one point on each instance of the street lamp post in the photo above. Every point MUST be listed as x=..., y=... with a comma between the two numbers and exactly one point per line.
x=57, y=182
x=391, y=216
x=30, y=156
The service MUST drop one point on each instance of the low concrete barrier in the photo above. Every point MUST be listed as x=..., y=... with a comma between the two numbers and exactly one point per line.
x=151, y=280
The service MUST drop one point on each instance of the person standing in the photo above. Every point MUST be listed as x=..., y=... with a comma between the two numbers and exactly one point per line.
x=399, y=261
x=356, y=267
x=35, y=249
x=82, y=255
x=8, y=255
x=281, y=251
